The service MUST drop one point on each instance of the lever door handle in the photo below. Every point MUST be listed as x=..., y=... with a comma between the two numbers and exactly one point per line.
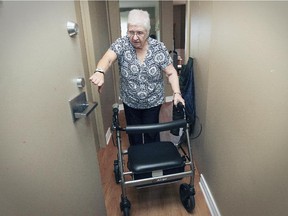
x=80, y=107
x=88, y=109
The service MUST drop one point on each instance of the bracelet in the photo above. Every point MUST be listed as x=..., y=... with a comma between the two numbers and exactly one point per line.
x=177, y=93
x=99, y=70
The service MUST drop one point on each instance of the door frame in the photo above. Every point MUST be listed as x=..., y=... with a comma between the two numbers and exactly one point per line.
x=84, y=17
x=88, y=58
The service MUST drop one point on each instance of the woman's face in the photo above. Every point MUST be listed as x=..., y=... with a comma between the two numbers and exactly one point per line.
x=137, y=35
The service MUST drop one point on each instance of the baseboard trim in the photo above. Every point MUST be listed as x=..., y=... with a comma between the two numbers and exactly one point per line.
x=168, y=99
x=108, y=136
x=208, y=197
x=121, y=107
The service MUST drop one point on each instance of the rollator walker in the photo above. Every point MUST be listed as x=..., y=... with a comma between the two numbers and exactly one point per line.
x=154, y=164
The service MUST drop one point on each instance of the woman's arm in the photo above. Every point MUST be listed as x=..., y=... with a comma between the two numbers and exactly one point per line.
x=103, y=65
x=173, y=79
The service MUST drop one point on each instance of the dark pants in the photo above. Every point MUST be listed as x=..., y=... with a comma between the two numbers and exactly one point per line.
x=139, y=117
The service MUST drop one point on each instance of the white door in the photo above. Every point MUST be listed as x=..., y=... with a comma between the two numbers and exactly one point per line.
x=48, y=163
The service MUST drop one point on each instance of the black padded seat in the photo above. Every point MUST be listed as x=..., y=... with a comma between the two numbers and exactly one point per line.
x=154, y=156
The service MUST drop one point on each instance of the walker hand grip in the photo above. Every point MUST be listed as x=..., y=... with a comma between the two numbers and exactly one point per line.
x=180, y=106
x=115, y=118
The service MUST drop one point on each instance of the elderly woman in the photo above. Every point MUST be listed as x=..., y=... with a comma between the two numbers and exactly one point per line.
x=141, y=61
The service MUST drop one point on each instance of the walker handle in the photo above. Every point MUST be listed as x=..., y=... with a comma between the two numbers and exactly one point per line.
x=148, y=128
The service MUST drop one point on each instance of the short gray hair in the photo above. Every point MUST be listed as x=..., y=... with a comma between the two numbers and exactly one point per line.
x=139, y=17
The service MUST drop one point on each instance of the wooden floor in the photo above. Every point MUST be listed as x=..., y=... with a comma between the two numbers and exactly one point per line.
x=153, y=201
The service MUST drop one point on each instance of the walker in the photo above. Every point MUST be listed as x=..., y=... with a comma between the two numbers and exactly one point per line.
x=154, y=164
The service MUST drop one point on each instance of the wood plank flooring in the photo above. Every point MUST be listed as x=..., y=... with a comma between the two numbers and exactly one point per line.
x=152, y=201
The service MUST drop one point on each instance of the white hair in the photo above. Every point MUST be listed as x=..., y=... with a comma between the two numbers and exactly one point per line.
x=140, y=18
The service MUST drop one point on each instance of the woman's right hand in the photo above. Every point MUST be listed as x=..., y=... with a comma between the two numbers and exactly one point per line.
x=97, y=79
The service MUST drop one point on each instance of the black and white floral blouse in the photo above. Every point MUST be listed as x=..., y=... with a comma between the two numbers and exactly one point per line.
x=141, y=84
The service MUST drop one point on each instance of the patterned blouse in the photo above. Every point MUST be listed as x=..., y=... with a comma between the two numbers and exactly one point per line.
x=141, y=84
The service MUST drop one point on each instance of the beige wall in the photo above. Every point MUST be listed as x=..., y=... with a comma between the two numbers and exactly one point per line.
x=240, y=51
x=166, y=29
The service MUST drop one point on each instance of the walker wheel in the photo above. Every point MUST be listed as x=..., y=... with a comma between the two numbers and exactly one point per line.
x=187, y=193
x=125, y=206
x=126, y=212
x=117, y=172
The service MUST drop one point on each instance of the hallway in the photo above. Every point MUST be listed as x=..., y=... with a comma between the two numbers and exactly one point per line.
x=152, y=201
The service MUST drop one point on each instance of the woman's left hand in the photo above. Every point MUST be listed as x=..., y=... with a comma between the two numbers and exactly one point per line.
x=177, y=98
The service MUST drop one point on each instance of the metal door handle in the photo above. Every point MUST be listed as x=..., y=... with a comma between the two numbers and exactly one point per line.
x=80, y=107
x=87, y=109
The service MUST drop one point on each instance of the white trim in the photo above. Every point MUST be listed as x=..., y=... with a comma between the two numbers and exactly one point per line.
x=208, y=197
x=168, y=99
x=108, y=136
x=121, y=107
